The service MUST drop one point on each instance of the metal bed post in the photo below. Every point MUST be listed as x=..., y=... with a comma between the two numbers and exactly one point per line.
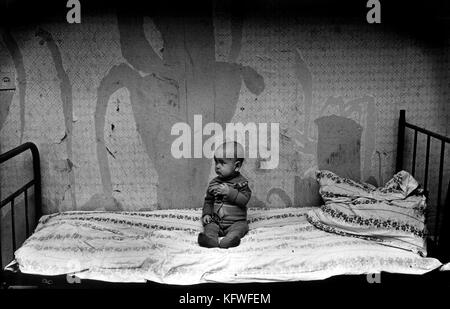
x=37, y=178
x=400, y=141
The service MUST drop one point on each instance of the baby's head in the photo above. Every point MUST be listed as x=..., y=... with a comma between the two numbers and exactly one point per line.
x=228, y=159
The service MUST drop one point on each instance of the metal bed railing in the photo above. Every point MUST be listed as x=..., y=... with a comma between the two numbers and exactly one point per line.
x=439, y=245
x=36, y=182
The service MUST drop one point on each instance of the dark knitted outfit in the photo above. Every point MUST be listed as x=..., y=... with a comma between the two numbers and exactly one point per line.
x=229, y=213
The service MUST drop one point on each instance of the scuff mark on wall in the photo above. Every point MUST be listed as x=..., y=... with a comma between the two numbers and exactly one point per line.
x=17, y=57
x=66, y=99
x=110, y=152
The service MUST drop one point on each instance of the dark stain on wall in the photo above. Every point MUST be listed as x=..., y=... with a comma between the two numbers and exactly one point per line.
x=364, y=105
x=338, y=147
x=306, y=192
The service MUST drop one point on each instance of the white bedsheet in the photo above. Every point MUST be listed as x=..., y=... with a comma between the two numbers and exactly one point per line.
x=161, y=246
x=445, y=267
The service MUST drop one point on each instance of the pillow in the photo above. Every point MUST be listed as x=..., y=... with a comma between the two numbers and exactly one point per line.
x=389, y=215
x=336, y=188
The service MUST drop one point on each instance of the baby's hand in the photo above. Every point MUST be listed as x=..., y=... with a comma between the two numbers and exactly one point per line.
x=222, y=189
x=212, y=189
x=206, y=219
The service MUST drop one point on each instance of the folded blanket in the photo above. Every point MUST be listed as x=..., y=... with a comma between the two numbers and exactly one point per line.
x=390, y=215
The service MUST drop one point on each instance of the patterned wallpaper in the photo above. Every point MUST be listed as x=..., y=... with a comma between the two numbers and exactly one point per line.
x=99, y=99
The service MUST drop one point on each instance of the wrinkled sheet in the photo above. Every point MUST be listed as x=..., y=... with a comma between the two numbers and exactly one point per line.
x=161, y=246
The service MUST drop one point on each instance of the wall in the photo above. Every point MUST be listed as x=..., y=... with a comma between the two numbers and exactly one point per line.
x=100, y=98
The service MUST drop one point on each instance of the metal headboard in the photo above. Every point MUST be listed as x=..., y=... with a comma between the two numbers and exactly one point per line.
x=440, y=240
x=36, y=182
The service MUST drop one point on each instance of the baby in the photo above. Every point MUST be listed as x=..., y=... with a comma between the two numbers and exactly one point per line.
x=224, y=210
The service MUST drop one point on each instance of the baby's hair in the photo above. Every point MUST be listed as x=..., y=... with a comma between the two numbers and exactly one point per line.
x=237, y=154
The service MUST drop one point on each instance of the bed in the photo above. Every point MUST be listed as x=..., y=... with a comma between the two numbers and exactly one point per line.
x=284, y=245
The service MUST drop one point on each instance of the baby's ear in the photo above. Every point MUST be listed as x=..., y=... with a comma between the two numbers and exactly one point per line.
x=237, y=165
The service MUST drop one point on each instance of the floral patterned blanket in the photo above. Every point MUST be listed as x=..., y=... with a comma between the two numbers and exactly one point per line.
x=390, y=215
x=161, y=246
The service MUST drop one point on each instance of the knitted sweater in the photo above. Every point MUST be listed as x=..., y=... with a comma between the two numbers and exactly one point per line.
x=233, y=206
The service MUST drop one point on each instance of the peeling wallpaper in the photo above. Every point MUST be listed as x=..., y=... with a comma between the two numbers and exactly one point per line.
x=99, y=100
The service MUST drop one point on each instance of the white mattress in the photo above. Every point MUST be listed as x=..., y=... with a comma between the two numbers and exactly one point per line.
x=161, y=246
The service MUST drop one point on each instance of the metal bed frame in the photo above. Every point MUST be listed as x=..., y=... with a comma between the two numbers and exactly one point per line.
x=439, y=242
x=35, y=182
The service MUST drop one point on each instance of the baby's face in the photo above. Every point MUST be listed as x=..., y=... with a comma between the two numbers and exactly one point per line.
x=225, y=167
